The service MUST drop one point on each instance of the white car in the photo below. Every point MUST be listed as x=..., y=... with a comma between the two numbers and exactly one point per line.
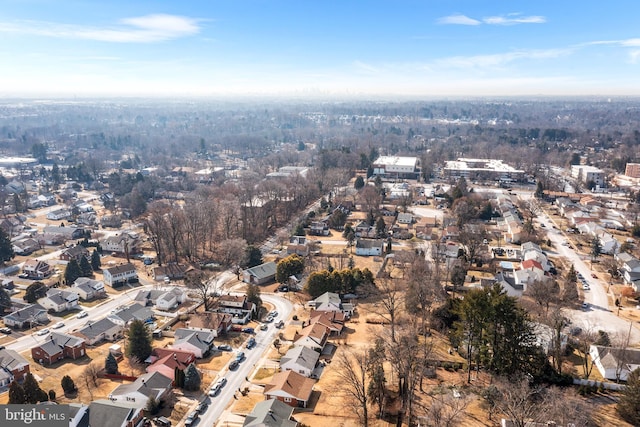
x=42, y=332
x=58, y=325
x=82, y=314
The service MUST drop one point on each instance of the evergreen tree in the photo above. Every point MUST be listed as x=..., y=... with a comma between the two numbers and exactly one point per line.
x=299, y=230
x=6, y=247
x=68, y=386
x=178, y=377
x=111, y=364
x=153, y=406
x=85, y=267
x=253, y=256
x=95, y=260
x=139, y=341
x=253, y=295
x=32, y=391
x=192, y=378
x=359, y=183
x=5, y=301
x=539, y=190
x=34, y=291
x=629, y=403
x=52, y=395
x=16, y=393
x=596, y=248
x=72, y=272
x=381, y=227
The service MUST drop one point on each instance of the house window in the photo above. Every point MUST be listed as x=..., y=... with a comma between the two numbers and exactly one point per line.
x=287, y=399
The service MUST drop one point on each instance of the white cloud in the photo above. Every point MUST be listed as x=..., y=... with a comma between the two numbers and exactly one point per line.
x=458, y=19
x=514, y=18
x=142, y=29
x=500, y=59
x=509, y=19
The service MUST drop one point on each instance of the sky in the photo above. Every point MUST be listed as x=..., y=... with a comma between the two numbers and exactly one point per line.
x=381, y=48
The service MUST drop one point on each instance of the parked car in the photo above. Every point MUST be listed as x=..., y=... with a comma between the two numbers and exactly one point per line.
x=239, y=356
x=233, y=365
x=42, y=332
x=585, y=305
x=594, y=275
x=280, y=324
x=193, y=415
x=202, y=406
x=263, y=327
x=269, y=319
x=58, y=325
x=162, y=421
x=224, y=347
x=6, y=330
x=82, y=314
x=249, y=331
x=251, y=343
x=585, y=286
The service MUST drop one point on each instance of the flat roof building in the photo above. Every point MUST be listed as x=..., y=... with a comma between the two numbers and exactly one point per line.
x=482, y=169
x=396, y=166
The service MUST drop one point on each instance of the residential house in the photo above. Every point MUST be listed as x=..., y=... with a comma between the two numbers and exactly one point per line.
x=319, y=228
x=32, y=314
x=119, y=275
x=291, y=388
x=630, y=269
x=88, y=289
x=167, y=360
x=300, y=359
x=238, y=306
x=11, y=225
x=334, y=320
x=36, y=269
x=108, y=413
x=198, y=341
x=546, y=338
x=314, y=336
x=52, y=239
x=12, y=367
x=59, y=300
x=58, y=346
x=270, y=413
x=162, y=299
x=114, y=221
x=368, y=247
x=125, y=315
x=25, y=246
x=103, y=329
x=171, y=271
x=59, y=214
x=219, y=323
x=298, y=245
x=146, y=386
x=67, y=233
x=87, y=218
x=330, y=301
x=122, y=244
x=615, y=363
x=76, y=252
x=405, y=218
x=260, y=274
x=364, y=230
x=78, y=415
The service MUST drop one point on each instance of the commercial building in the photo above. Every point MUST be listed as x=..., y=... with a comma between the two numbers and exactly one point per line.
x=587, y=174
x=396, y=167
x=632, y=170
x=482, y=170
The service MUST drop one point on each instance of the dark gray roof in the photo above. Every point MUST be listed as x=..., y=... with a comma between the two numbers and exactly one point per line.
x=10, y=359
x=270, y=413
x=59, y=296
x=105, y=413
x=94, y=329
x=303, y=356
x=26, y=313
x=134, y=311
x=57, y=341
x=121, y=269
x=150, y=384
x=369, y=243
x=263, y=271
x=201, y=338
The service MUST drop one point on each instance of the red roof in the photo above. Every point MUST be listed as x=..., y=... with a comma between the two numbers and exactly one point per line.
x=530, y=264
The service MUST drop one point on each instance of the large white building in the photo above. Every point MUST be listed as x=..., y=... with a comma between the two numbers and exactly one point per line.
x=396, y=167
x=481, y=170
x=586, y=173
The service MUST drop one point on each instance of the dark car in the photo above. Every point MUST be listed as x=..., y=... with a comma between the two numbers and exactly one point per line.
x=224, y=347
x=162, y=421
x=191, y=418
x=6, y=331
x=251, y=343
x=202, y=406
x=249, y=331
x=233, y=365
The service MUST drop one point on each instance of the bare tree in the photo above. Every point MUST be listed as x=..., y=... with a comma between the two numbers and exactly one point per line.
x=352, y=370
x=520, y=402
x=446, y=410
x=565, y=407
x=473, y=237
x=203, y=285
x=557, y=321
x=424, y=288
x=544, y=292
x=388, y=293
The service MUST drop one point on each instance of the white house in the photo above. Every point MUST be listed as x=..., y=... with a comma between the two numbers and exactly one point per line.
x=119, y=275
x=615, y=363
x=123, y=243
x=59, y=214
x=88, y=289
x=330, y=301
x=300, y=359
x=368, y=247
x=59, y=300
x=195, y=340
x=148, y=385
x=162, y=299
